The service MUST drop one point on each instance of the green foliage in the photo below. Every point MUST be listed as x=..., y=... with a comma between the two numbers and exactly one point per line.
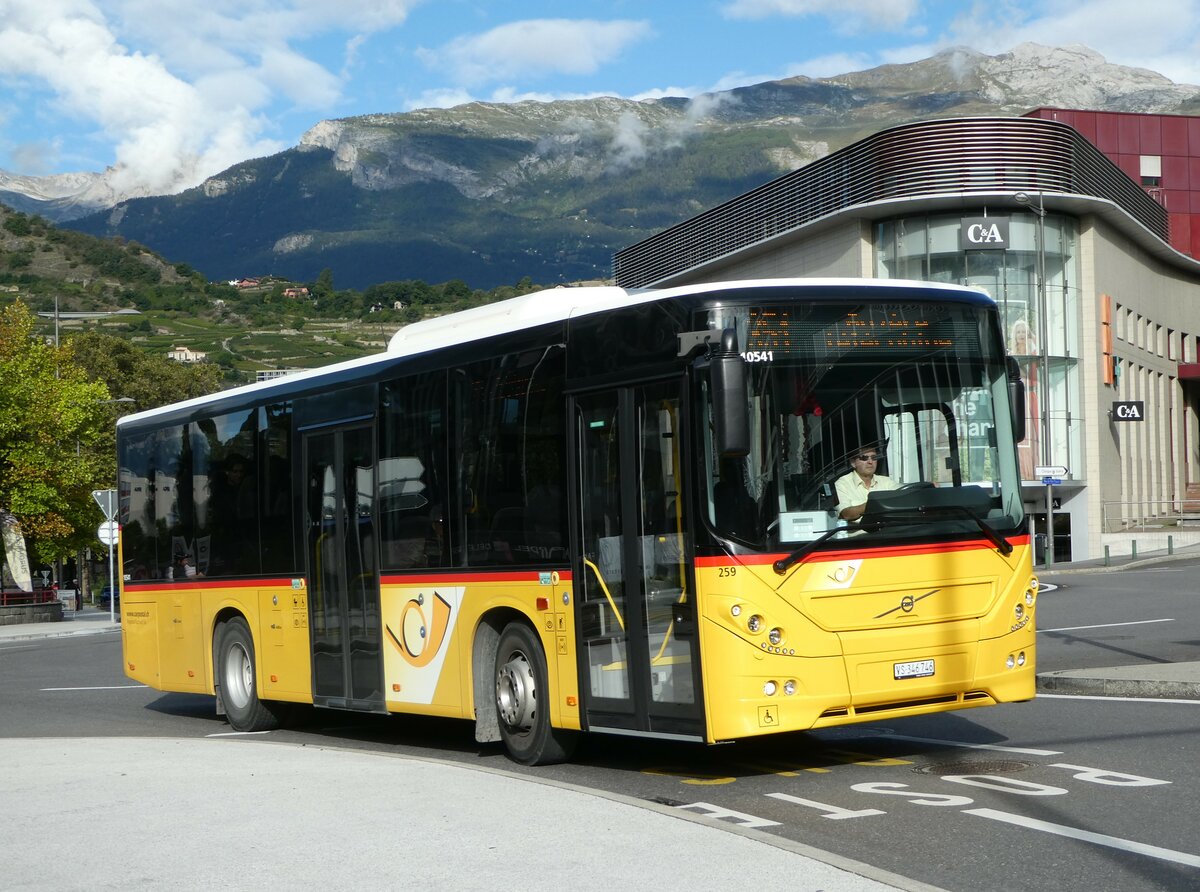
x=54, y=425
x=150, y=379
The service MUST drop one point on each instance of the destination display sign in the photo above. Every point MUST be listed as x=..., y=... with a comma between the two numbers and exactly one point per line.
x=832, y=331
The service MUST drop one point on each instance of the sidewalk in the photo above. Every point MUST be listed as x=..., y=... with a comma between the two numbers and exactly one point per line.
x=227, y=814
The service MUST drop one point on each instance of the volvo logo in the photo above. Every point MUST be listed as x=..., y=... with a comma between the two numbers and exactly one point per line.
x=907, y=603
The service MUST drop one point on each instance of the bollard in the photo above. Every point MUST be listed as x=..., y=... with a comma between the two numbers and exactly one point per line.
x=1170, y=545
x=1106, y=555
x=1133, y=549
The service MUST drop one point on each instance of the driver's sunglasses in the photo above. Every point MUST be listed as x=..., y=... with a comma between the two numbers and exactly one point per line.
x=868, y=456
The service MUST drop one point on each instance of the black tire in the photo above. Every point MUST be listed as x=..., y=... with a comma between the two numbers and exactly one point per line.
x=236, y=673
x=521, y=706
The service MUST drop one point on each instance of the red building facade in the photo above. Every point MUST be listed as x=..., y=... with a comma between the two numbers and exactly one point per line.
x=1161, y=152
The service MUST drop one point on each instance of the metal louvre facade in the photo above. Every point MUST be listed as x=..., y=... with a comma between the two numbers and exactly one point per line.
x=960, y=156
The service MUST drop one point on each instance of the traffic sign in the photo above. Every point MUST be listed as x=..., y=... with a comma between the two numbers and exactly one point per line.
x=107, y=532
x=1052, y=481
x=107, y=500
x=1049, y=471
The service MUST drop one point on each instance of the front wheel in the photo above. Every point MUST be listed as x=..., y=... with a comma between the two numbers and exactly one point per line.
x=521, y=701
x=236, y=678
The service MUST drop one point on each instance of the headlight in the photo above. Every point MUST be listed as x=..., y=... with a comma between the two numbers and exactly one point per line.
x=775, y=636
x=755, y=624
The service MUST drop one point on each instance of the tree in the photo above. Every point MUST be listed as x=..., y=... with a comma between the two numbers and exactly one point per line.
x=150, y=380
x=52, y=419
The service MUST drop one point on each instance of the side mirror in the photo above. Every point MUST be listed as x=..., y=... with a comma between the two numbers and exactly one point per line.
x=1016, y=398
x=731, y=421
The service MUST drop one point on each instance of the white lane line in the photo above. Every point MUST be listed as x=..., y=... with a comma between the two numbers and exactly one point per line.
x=976, y=746
x=238, y=734
x=1140, y=622
x=1118, y=699
x=109, y=687
x=1100, y=839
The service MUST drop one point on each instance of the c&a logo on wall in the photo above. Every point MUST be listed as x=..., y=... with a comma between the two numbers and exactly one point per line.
x=983, y=234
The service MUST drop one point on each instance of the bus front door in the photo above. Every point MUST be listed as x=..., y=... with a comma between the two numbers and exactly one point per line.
x=343, y=580
x=636, y=612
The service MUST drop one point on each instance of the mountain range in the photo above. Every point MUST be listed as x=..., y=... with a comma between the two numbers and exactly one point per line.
x=490, y=193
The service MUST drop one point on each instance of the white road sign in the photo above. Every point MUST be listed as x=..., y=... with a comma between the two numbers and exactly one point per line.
x=107, y=532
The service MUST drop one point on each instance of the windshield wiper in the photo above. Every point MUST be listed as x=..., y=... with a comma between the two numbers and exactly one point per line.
x=782, y=565
x=927, y=512
x=892, y=515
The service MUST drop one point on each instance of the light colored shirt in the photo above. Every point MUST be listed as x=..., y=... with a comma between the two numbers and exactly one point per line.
x=852, y=491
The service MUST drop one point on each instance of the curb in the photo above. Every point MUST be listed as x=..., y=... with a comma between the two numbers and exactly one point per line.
x=1140, y=688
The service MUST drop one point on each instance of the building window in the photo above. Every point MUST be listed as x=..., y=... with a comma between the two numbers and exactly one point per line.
x=1151, y=169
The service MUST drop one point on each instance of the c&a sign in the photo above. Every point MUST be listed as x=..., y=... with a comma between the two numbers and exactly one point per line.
x=983, y=234
x=1129, y=410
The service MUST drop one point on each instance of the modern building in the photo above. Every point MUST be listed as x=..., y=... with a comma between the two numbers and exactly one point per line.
x=1099, y=296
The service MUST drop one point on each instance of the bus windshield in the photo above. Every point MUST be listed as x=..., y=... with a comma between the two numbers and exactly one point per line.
x=868, y=422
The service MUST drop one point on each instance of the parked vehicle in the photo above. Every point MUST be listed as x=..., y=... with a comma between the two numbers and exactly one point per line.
x=106, y=595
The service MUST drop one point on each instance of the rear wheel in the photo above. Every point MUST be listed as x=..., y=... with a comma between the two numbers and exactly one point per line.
x=521, y=701
x=236, y=675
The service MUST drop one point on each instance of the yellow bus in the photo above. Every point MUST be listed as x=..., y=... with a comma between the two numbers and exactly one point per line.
x=599, y=510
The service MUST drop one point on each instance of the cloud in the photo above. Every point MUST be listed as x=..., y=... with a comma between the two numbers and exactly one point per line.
x=182, y=92
x=847, y=16
x=532, y=49
x=633, y=139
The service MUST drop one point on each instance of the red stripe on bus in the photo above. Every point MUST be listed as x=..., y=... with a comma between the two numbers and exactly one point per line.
x=205, y=582
x=474, y=576
x=888, y=551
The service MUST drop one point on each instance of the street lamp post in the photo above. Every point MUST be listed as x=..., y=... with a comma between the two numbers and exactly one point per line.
x=1039, y=209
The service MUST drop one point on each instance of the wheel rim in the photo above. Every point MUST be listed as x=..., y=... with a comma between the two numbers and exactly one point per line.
x=516, y=692
x=239, y=676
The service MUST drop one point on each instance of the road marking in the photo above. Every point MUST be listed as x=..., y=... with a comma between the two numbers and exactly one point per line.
x=1100, y=839
x=107, y=687
x=237, y=734
x=1041, y=696
x=735, y=817
x=1140, y=622
x=980, y=746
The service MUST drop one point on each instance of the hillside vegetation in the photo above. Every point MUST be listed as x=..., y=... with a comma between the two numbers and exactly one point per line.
x=132, y=292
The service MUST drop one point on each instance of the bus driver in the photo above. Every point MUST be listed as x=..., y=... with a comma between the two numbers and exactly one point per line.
x=853, y=488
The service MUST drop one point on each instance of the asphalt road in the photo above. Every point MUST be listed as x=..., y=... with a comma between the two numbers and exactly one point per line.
x=1061, y=793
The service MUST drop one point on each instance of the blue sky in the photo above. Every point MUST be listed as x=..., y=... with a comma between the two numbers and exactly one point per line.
x=173, y=91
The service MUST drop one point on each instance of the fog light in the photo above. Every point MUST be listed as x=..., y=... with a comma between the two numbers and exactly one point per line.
x=755, y=623
x=736, y=609
x=789, y=687
x=770, y=688
x=775, y=635
x=1011, y=661
x=1029, y=597
x=1021, y=658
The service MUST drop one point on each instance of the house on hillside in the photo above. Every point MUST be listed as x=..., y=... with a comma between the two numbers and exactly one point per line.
x=186, y=354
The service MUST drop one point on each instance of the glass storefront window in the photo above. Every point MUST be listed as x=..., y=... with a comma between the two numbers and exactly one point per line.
x=929, y=248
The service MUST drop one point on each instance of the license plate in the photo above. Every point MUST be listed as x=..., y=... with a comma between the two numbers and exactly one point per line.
x=915, y=669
